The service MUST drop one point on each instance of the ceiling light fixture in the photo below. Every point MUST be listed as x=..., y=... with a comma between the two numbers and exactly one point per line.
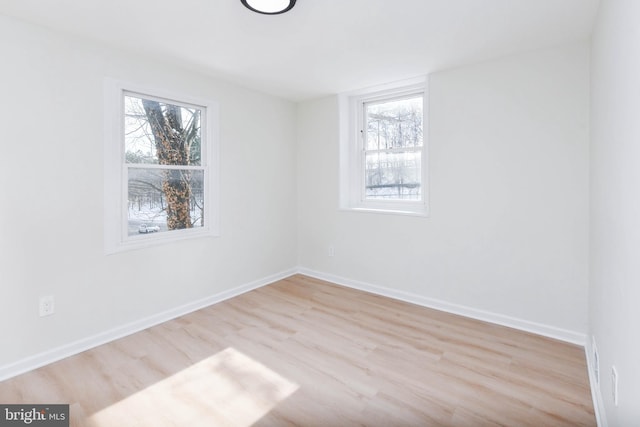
x=269, y=7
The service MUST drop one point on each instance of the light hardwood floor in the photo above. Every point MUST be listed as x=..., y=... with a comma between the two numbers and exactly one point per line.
x=309, y=353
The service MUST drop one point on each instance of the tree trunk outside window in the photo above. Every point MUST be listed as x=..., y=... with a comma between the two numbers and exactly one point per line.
x=172, y=149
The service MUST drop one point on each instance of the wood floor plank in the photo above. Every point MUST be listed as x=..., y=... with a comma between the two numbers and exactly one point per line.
x=304, y=352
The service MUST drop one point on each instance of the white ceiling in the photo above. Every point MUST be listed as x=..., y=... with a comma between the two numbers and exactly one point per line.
x=321, y=46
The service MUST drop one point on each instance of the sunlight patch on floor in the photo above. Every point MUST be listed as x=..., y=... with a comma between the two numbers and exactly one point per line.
x=227, y=389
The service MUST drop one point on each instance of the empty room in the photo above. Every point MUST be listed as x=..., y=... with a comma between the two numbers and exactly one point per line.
x=320, y=213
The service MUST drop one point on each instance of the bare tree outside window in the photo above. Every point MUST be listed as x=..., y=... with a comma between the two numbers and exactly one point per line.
x=163, y=155
x=393, y=148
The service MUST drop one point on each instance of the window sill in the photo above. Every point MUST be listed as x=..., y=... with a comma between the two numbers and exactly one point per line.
x=423, y=213
x=148, y=241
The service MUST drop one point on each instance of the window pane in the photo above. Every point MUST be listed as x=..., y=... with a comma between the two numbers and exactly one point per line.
x=157, y=132
x=394, y=124
x=161, y=200
x=393, y=176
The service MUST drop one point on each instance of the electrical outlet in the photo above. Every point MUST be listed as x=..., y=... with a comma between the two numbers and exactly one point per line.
x=47, y=306
x=331, y=251
x=614, y=385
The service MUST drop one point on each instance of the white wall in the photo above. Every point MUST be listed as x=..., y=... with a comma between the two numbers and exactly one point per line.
x=615, y=205
x=51, y=202
x=508, y=229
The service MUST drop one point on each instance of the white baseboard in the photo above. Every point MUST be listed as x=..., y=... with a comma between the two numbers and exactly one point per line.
x=73, y=348
x=500, y=319
x=596, y=395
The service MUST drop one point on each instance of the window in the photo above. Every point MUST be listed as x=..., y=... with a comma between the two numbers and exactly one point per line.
x=383, y=149
x=159, y=167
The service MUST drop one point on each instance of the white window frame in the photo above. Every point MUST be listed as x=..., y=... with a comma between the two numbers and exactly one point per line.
x=116, y=238
x=352, y=150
